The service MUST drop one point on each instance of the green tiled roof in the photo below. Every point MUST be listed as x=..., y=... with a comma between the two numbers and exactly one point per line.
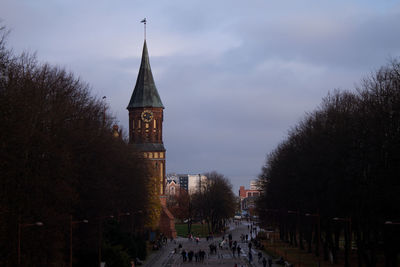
x=145, y=93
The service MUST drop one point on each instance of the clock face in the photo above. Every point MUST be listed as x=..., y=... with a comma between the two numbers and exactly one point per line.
x=147, y=116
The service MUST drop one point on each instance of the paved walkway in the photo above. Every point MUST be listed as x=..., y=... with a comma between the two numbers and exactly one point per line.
x=167, y=257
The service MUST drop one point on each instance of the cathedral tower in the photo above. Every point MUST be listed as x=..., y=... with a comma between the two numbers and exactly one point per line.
x=146, y=120
x=145, y=134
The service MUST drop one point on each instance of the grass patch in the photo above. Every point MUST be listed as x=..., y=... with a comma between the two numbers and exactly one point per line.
x=197, y=230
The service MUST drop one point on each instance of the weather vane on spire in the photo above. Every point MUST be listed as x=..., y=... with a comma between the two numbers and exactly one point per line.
x=144, y=22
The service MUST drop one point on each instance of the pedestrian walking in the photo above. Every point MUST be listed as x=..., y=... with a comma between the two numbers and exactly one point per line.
x=259, y=256
x=264, y=262
x=183, y=255
x=238, y=251
x=250, y=257
x=269, y=262
x=233, y=250
x=202, y=255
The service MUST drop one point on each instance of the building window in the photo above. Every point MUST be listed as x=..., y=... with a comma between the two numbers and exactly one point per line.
x=154, y=124
x=161, y=155
x=139, y=124
x=145, y=154
x=150, y=155
x=172, y=191
x=161, y=178
x=147, y=125
x=133, y=124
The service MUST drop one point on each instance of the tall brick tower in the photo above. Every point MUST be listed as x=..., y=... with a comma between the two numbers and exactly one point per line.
x=145, y=133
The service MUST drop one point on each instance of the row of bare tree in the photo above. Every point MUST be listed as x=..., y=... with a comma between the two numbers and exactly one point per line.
x=341, y=164
x=59, y=158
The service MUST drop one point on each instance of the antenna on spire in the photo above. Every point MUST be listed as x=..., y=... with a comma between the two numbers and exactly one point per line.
x=144, y=21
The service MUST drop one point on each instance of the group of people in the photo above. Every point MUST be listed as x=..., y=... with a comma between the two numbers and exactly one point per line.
x=244, y=238
x=233, y=245
x=213, y=248
x=198, y=256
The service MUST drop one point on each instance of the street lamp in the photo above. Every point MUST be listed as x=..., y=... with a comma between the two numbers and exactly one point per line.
x=71, y=223
x=318, y=230
x=298, y=228
x=20, y=226
x=349, y=245
x=101, y=233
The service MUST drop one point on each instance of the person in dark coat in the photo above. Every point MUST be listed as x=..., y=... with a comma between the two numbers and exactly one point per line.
x=264, y=262
x=233, y=250
x=259, y=256
x=270, y=262
x=183, y=253
x=190, y=255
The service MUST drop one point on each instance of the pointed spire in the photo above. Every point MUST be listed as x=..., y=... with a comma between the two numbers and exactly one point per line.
x=145, y=93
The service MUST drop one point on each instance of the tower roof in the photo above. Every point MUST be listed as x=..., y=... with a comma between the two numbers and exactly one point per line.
x=145, y=93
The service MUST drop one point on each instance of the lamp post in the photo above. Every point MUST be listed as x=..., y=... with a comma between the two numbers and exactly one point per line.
x=71, y=223
x=274, y=225
x=291, y=212
x=391, y=234
x=101, y=234
x=299, y=230
x=318, y=232
x=20, y=226
x=349, y=245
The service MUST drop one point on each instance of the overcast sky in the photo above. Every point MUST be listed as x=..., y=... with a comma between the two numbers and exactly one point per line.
x=234, y=76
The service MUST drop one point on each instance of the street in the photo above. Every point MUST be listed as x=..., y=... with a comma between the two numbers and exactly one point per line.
x=223, y=257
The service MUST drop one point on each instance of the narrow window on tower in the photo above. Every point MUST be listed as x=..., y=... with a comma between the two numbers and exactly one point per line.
x=133, y=124
x=147, y=125
x=155, y=155
x=139, y=124
x=154, y=124
x=161, y=178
